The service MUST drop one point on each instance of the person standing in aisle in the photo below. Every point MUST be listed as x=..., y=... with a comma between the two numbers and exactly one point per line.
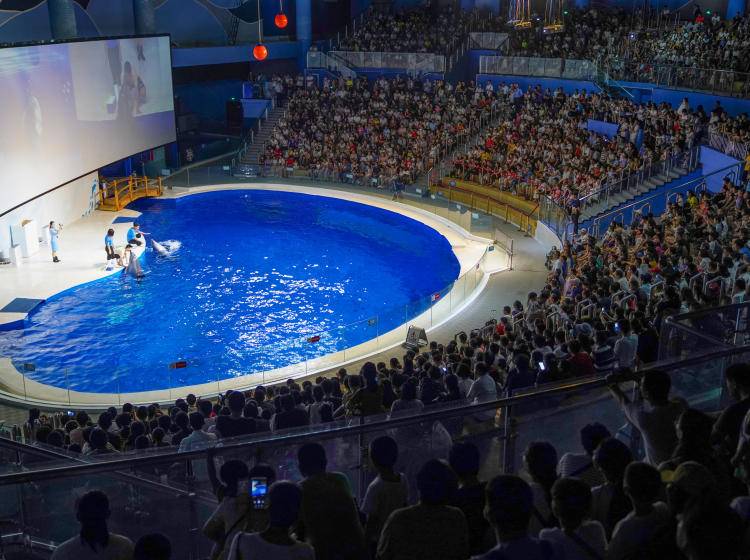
x=54, y=235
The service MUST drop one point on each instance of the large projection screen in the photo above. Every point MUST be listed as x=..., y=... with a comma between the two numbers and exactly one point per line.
x=68, y=109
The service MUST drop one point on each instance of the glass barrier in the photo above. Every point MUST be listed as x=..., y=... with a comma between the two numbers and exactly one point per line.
x=488, y=40
x=716, y=328
x=728, y=82
x=418, y=62
x=160, y=490
x=542, y=67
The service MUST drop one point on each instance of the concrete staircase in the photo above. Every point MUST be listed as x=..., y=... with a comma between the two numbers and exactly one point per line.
x=606, y=204
x=249, y=155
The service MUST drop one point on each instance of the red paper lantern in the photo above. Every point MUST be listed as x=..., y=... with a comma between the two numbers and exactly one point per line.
x=260, y=52
x=281, y=20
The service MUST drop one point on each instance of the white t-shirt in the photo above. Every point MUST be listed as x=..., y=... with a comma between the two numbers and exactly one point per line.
x=656, y=424
x=590, y=532
x=253, y=547
x=625, y=350
x=118, y=548
x=580, y=465
x=632, y=532
x=381, y=499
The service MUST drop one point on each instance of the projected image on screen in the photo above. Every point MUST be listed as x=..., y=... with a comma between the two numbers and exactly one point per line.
x=69, y=109
x=120, y=79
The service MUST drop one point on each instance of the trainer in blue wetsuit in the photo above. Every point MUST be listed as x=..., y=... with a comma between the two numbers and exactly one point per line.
x=54, y=234
x=109, y=244
x=135, y=235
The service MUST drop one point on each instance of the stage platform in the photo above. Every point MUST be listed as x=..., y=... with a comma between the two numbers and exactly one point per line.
x=82, y=260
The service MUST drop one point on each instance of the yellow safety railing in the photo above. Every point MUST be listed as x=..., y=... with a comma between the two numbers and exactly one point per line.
x=511, y=208
x=120, y=192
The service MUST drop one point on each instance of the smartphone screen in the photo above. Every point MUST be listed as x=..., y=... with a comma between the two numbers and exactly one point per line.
x=259, y=491
x=541, y=366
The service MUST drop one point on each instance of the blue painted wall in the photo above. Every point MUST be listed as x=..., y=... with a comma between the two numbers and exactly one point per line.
x=646, y=92
x=712, y=160
x=208, y=99
x=203, y=56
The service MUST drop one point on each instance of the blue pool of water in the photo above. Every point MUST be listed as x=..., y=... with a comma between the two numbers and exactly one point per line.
x=258, y=277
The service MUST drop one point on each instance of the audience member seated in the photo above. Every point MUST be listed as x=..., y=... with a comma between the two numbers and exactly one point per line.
x=581, y=465
x=275, y=542
x=375, y=135
x=432, y=529
x=510, y=504
x=577, y=538
x=388, y=492
x=94, y=541
x=328, y=518
x=419, y=30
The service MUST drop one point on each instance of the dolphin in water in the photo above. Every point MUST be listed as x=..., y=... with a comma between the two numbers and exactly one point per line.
x=134, y=267
x=159, y=248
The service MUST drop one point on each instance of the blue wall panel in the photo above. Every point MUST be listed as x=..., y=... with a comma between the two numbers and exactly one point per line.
x=208, y=99
x=86, y=26
x=711, y=161
x=201, y=56
x=31, y=25
x=189, y=22
x=112, y=17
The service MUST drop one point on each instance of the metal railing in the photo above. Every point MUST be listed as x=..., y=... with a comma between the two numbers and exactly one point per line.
x=319, y=59
x=39, y=485
x=410, y=62
x=543, y=67
x=625, y=214
x=627, y=182
x=726, y=82
x=729, y=146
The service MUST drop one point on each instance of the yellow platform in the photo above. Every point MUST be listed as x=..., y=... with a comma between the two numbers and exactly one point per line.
x=121, y=192
x=490, y=200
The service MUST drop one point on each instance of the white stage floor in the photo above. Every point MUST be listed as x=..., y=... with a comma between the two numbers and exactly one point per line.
x=82, y=260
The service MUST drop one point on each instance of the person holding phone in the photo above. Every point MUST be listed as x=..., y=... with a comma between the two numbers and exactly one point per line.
x=275, y=542
x=54, y=243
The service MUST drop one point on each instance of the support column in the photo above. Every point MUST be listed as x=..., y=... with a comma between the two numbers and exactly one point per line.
x=304, y=30
x=62, y=19
x=143, y=16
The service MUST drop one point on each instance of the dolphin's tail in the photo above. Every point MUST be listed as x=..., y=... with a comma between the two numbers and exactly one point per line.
x=159, y=248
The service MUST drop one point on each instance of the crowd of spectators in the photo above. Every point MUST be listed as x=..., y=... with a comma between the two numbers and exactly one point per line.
x=380, y=133
x=686, y=499
x=420, y=30
x=590, y=35
x=544, y=146
x=705, y=42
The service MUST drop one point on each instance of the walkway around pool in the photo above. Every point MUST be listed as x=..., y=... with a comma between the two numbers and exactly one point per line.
x=82, y=256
